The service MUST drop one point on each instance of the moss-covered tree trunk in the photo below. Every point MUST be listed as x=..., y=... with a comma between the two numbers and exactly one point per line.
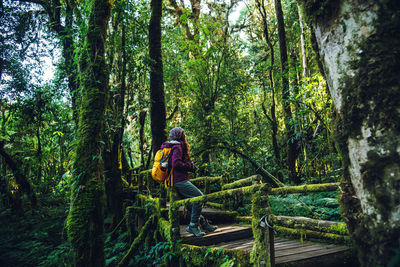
x=157, y=111
x=359, y=45
x=85, y=224
x=292, y=151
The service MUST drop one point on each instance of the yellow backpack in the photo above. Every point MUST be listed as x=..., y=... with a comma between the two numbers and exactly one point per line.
x=160, y=167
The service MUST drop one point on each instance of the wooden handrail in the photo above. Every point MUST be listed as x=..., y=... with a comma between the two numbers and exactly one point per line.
x=243, y=182
x=304, y=188
x=247, y=190
x=338, y=228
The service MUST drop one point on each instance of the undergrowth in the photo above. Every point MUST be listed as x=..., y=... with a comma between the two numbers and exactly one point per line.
x=323, y=206
x=38, y=238
x=34, y=238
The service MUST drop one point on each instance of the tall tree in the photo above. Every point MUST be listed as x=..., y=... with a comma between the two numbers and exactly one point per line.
x=112, y=150
x=272, y=117
x=291, y=142
x=157, y=111
x=85, y=223
x=302, y=44
x=363, y=77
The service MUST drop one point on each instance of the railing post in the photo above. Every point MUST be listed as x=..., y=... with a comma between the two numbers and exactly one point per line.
x=130, y=219
x=173, y=215
x=206, y=186
x=163, y=196
x=263, y=248
x=140, y=181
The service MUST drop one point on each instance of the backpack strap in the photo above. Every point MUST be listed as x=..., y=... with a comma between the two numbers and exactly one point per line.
x=164, y=159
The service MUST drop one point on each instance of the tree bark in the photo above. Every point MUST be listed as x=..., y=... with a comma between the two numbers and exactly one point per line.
x=302, y=44
x=157, y=111
x=67, y=38
x=85, y=224
x=291, y=142
x=358, y=43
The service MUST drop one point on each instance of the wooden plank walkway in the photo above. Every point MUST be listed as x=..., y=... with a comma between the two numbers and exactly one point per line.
x=223, y=233
x=240, y=237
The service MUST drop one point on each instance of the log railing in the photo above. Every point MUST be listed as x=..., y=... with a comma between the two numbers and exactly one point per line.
x=261, y=218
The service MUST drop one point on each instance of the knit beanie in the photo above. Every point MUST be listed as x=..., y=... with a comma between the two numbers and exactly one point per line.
x=176, y=133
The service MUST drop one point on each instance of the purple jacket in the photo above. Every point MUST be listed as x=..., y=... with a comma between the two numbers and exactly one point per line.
x=181, y=168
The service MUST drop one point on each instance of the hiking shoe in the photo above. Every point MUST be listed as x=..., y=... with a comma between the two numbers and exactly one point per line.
x=194, y=230
x=206, y=227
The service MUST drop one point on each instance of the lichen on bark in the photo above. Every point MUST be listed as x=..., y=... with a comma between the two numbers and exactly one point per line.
x=359, y=47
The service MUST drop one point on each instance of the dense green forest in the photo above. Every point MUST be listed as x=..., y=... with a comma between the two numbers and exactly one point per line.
x=297, y=92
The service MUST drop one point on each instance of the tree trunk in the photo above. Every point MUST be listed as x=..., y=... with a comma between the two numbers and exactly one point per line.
x=39, y=155
x=142, y=120
x=20, y=178
x=359, y=45
x=67, y=38
x=302, y=44
x=157, y=112
x=273, y=120
x=85, y=224
x=112, y=163
x=291, y=142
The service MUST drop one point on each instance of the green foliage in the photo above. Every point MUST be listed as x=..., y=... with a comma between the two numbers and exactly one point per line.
x=395, y=260
x=322, y=206
x=159, y=254
x=34, y=238
x=115, y=248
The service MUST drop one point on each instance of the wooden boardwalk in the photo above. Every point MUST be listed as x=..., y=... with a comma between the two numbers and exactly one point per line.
x=286, y=251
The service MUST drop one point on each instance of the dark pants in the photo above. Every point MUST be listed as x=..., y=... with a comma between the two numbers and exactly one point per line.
x=188, y=190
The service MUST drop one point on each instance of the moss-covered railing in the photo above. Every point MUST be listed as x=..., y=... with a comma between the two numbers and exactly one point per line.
x=206, y=181
x=262, y=219
x=255, y=179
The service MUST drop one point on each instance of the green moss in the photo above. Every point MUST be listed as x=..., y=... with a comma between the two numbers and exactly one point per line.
x=262, y=254
x=243, y=182
x=214, y=205
x=248, y=190
x=304, y=234
x=85, y=222
x=305, y=188
x=310, y=224
x=372, y=102
x=164, y=227
x=339, y=228
x=173, y=215
x=316, y=10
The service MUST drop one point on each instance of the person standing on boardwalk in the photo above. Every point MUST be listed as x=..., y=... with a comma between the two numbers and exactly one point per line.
x=181, y=164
